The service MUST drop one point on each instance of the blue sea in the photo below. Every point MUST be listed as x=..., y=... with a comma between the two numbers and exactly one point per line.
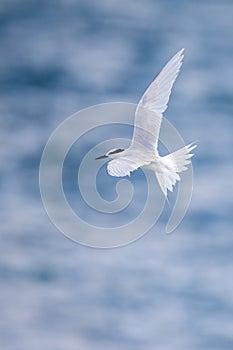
x=163, y=292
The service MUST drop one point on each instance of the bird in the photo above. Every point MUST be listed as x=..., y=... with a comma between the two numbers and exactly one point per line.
x=143, y=149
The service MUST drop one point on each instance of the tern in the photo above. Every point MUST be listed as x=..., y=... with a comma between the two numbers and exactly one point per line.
x=143, y=149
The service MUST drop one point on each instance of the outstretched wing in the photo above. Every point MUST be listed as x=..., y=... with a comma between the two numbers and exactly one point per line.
x=132, y=160
x=148, y=116
x=121, y=167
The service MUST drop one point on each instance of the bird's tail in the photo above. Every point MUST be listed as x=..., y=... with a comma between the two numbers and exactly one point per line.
x=172, y=164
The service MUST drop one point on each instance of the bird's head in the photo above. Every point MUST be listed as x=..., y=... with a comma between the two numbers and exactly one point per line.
x=113, y=153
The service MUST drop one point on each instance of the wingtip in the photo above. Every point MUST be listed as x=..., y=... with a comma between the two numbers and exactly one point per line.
x=181, y=52
x=179, y=56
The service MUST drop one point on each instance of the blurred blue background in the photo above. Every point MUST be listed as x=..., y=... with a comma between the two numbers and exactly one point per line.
x=161, y=292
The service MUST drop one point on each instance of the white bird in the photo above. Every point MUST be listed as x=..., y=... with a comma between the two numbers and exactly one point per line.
x=143, y=152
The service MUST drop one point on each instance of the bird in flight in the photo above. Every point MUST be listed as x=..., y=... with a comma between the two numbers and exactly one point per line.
x=143, y=149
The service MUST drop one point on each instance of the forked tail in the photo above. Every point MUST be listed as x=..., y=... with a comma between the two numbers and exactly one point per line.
x=171, y=165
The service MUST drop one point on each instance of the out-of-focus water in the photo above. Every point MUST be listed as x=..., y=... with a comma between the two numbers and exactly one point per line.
x=162, y=292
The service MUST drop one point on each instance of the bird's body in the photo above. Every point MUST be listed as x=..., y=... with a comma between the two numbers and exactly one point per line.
x=143, y=152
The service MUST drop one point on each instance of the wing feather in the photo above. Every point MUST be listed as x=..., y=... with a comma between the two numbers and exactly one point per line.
x=121, y=167
x=148, y=115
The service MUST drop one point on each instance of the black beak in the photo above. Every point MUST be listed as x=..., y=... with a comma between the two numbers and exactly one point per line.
x=101, y=157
